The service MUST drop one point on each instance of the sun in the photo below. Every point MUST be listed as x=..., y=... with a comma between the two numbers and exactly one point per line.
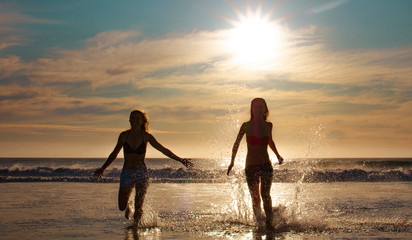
x=255, y=41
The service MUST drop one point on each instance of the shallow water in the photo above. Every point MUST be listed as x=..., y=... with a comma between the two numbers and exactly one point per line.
x=207, y=211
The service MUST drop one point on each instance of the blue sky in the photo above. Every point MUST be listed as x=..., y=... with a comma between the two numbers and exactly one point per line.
x=359, y=24
x=336, y=75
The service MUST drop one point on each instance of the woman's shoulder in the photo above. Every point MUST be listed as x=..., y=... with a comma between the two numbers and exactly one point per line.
x=147, y=135
x=123, y=135
x=125, y=132
x=245, y=124
x=269, y=126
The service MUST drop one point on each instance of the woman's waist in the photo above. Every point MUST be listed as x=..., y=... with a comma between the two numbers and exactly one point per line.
x=257, y=155
x=134, y=163
x=257, y=147
x=258, y=167
x=251, y=162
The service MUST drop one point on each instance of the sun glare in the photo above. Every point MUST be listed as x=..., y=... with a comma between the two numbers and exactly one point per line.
x=255, y=42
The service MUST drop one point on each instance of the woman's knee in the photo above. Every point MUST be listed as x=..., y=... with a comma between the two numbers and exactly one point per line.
x=124, y=193
x=123, y=201
x=122, y=205
x=266, y=196
x=265, y=190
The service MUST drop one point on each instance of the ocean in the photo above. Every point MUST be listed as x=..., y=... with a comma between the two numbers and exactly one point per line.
x=334, y=198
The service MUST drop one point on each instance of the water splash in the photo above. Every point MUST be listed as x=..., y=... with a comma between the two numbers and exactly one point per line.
x=293, y=216
x=150, y=216
x=240, y=208
x=225, y=127
x=314, y=134
x=288, y=218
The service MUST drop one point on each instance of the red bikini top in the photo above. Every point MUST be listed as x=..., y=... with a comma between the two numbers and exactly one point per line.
x=252, y=140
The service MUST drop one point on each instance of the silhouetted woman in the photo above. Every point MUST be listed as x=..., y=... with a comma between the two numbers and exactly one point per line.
x=258, y=167
x=134, y=173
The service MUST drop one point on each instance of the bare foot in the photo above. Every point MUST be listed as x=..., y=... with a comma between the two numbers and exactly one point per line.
x=269, y=226
x=127, y=213
x=135, y=224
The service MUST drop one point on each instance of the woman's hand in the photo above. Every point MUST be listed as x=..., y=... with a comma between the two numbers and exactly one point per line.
x=187, y=162
x=98, y=173
x=280, y=159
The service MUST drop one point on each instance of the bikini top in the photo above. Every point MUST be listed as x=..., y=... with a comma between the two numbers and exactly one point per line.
x=252, y=140
x=141, y=149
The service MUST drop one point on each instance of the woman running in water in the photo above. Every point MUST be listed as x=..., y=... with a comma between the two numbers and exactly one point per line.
x=134, y=173
x=258, y=167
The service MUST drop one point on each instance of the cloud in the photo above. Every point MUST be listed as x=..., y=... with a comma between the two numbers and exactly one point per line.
x=123, y=64
x=43, y=128
x=108, y=59
x=10, y=21
x=8, y=39
x=117, y=71
x=375, y=91
x=199, y=59
x=88, y=110
x=18, y=96
x=193, y=112
x=347, y=109
x=189, y=78
x=12, y=67
x=10, y=16
x=326, y=7
x=111, y=39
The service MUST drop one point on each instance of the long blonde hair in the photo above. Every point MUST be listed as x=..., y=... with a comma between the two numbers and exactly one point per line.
x=145, y=120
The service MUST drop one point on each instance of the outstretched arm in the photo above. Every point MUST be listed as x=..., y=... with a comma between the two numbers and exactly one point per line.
x=236, y=147
x=152, y=140
x=98, y=173
x=273, y=146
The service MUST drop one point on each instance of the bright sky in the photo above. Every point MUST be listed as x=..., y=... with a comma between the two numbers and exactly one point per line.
x=336, y=74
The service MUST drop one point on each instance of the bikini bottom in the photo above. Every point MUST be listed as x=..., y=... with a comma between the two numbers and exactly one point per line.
x=130, y=177
x=255, y=172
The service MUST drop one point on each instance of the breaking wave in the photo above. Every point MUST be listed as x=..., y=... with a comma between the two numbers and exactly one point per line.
x=67, y=174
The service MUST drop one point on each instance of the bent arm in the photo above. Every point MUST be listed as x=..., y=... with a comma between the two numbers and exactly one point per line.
x=273, y=146
x=236, y=147
x=111, y=158
x=152, y=140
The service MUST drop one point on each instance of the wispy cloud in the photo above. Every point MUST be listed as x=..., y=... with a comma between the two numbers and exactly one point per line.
x=189, y=78
x=41, y=129
x=115, y=58
x=10, y=21
x=326, y=6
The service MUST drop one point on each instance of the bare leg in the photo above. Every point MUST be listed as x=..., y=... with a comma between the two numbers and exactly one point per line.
x=266, y=184
x=254, y=193
x=124, y=193
x=139, y=199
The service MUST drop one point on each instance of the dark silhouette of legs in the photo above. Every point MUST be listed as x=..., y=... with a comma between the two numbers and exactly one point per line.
x=265, y=180
x=254, y=193
x=124, y=193
x=138, y=201
x=266, y=184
